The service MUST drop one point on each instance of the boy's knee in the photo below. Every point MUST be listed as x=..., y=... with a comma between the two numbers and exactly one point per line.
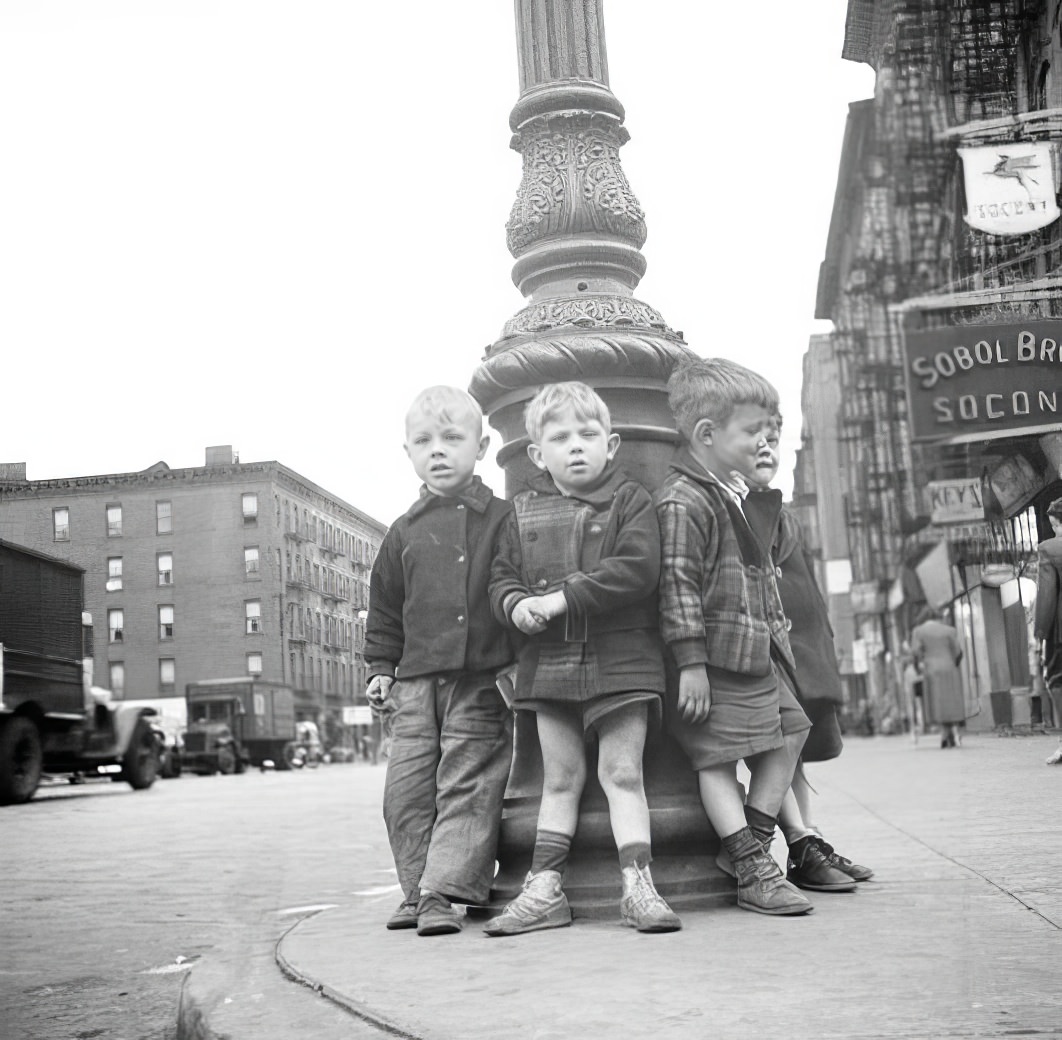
x=624, y=775
x=564, y=779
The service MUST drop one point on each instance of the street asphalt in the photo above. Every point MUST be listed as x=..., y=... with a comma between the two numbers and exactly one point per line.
x=958, y=935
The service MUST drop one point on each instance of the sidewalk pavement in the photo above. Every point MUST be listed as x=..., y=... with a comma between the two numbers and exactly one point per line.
x=959, y=934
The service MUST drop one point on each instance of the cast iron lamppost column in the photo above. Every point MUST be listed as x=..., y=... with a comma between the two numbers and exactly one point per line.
x=576, y=231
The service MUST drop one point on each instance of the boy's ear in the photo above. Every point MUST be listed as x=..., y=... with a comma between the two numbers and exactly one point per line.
x=613, y=445
x=534, y=453
x=484, y=444
x=703, y=430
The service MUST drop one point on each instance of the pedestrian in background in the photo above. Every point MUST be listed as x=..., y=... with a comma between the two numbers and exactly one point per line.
x=576, y=572
x=430, y=625
x=935, y=645
x=1047, y=622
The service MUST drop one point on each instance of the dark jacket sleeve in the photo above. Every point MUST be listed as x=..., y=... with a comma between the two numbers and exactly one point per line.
x=384, y=633
x=506, y=587
x=629, y=568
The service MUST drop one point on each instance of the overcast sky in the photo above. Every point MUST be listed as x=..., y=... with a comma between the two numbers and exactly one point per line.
x=267, y=223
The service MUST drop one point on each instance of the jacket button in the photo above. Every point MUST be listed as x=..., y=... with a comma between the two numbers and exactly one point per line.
x=595, y=529
x=461, y=617
x=778, y=572
x=460, y=506
x=541, y=583
x=788, y=624
x=460, y=559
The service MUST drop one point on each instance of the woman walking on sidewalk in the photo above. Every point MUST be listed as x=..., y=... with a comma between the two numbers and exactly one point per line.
x=935, y=645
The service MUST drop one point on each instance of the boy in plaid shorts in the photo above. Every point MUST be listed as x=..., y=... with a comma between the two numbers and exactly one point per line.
x=722, y=619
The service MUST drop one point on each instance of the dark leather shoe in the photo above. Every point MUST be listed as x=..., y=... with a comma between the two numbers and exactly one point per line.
x=404, y=917
x=810, y=868
x=839, y=862
x=435, y=916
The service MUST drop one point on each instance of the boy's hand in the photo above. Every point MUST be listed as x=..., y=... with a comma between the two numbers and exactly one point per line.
x=526, y=618
x=377, y=692
x=695, y=694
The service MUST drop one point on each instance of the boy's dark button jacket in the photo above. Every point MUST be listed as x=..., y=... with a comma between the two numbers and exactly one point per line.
x=428, y=605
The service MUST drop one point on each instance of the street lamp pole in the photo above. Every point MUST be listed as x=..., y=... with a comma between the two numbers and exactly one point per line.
x=575, y=231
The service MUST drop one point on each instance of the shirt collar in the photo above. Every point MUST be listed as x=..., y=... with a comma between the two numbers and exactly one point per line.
x=476, y=496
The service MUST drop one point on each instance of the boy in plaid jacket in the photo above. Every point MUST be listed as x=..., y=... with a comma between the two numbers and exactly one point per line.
x=722, y=619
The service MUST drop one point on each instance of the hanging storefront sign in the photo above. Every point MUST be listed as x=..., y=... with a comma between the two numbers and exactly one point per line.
x=955, y=501
x=980, y=382
x=1010, y=188
x=866, y=597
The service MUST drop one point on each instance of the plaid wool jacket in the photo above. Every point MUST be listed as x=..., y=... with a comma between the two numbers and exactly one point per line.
x=719, y=602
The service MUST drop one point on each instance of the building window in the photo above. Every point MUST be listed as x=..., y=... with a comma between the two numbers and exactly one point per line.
x=166, y=622
x=253, y=611
x=61, y=525
x=167, y=673
x=114, y=521
x=254, y=664
x=114, y=573
x=250, y=560
x=163, y=517
x=164, y=563
x=117, y=677
x=250, y=507
x=115, y=624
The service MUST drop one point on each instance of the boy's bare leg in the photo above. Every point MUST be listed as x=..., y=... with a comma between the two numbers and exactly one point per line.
x=542, y=902
x=721, y=798
x=563, y=771
x=621, y=744
x=771, y=773
x=802, y=795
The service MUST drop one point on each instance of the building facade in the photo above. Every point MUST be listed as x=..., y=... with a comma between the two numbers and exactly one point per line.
x=231, y=569
x=943, y=277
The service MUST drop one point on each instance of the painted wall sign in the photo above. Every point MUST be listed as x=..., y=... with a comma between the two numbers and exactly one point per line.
x=955, y=501
x=970, y=381
x=1010, y=188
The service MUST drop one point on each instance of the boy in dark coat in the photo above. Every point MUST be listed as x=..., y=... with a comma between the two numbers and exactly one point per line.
x=576, y=572
x=433, y=651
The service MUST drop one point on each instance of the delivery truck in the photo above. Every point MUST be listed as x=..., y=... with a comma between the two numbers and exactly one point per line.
x=240, y=722
x=52, y=719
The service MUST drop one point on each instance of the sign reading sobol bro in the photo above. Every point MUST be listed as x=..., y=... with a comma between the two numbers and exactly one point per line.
x=983, y=381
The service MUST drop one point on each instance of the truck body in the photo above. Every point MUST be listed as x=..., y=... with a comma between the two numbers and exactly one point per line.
x=52, y=719
x=234, y=723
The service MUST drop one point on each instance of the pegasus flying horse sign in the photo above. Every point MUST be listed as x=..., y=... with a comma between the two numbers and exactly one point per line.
x=1010, y=188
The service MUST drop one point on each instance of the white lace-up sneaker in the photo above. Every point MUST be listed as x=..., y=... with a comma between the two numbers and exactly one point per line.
x=541, y=904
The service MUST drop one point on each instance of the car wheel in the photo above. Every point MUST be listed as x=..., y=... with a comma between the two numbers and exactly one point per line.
x=140, y=764
x=21, y=760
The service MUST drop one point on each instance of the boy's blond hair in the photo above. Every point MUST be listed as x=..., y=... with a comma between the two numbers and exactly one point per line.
x=711, y=388
x=450, y=404
x=558, y=398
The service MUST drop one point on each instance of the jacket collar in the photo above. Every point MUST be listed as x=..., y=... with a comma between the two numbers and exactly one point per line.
x=684, y=462
x=600, y=496
x=476, y=496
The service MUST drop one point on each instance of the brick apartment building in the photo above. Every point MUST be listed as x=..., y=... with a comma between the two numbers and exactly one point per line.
x=232, y=569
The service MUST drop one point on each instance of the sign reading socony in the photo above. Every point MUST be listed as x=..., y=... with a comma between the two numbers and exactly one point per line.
x=983, y=380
